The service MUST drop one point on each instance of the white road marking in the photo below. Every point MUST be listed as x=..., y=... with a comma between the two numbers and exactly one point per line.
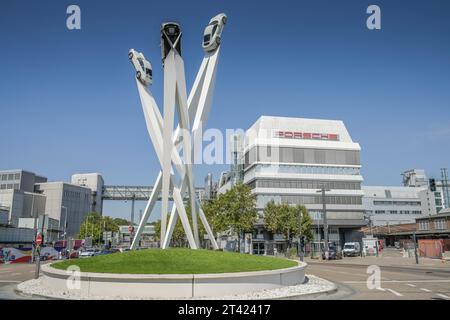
x=411, y=285
x=426, y=290
x=381, y=289
x=9, y=281
x=403, y=281
x=398, y=294
x=443, y=296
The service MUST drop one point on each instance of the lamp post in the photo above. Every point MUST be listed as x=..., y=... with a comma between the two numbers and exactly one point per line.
x=325, y=222
x=65, y=222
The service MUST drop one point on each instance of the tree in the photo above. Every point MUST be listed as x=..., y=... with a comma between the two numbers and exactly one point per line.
x=94, y=225
x=234, y=210
x=121, y=222
x=288, y=220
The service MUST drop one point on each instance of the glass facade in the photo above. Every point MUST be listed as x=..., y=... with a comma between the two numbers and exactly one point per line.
x=301, y=155
x=305, y=184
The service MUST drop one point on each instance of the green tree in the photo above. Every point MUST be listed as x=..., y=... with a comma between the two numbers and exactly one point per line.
x=94, y=225
x=288, y=220
x=234, y=210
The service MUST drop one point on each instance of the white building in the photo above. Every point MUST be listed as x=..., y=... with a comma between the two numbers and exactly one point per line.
x=93, y=181
x=67, y=203
x=388, y=205
x=289, y=159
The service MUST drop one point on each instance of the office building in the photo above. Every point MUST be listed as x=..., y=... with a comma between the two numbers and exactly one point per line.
x=67, y=203
x=288, y=160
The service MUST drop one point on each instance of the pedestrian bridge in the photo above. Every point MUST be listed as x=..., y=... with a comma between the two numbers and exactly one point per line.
x=136, y=193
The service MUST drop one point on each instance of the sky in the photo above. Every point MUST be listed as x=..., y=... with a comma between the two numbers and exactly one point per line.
x=69, y=103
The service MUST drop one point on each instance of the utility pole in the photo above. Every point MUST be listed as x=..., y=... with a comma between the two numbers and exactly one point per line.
x=300, y=248
x=325, y=221
x=38, y=250
x=132, y=209
x=415, y=248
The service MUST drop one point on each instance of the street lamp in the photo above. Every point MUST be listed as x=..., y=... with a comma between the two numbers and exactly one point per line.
x=65, y=221
x=325, y=222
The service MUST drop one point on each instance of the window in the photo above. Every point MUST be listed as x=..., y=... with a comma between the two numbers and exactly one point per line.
x=141, y=63
x=10, y=176
x=424, y=225
x=4, y=177
x=214, y=30
x=207, y=38
x=17, y=176
x=440, y=224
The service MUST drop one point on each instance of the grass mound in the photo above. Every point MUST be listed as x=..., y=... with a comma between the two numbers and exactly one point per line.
x=176, y=261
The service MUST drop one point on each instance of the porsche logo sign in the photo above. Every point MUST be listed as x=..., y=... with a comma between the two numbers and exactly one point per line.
x=305, y=135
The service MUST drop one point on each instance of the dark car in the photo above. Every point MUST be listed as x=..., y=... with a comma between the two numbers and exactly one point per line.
x=170, y=38
x=333, y=254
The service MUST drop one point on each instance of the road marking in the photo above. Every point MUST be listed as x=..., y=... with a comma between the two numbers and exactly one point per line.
x=15, y=274
x=10, y=281
x=443, y=296
x=381, y=289
x=402, y=281
x=411, y=285
x=426, y=290
x=395, y=292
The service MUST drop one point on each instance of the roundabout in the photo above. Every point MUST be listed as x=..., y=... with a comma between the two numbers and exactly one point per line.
x=171, y=274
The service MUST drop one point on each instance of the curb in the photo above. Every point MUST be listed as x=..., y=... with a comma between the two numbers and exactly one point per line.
x=305, y=296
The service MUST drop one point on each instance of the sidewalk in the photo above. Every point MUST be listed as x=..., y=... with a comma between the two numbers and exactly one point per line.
x=388, y=258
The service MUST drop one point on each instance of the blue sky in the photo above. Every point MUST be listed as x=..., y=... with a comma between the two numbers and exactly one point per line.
x=68, y=101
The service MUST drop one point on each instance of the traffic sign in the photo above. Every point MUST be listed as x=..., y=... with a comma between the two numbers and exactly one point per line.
x=38, y=239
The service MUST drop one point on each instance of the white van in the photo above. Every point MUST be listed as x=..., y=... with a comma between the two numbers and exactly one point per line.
x=351, y=249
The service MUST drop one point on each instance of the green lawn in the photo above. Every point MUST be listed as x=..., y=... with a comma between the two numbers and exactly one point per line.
x=176, y=261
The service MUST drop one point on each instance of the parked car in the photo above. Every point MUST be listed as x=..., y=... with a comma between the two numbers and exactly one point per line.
x=333, y=254
x=170, y=38
x=143, y=67
x=351, y=249
x=87, y=253
x=213, y=32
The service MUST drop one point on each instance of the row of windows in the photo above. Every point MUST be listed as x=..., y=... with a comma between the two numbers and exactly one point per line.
x=72, y=194
x=9, y=186
x=10, y=176
x=398, y=211
x=268, y=168
x=297, y=199
x=397, y=203
x=439, y=224
x=300, y=155
x=305, y=184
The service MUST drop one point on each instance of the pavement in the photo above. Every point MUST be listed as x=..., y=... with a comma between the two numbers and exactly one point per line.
x=400, y=278
x=13, y=274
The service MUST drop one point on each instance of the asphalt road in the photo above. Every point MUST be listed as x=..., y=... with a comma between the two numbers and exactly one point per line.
x=397, y=283
x=13, y=274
